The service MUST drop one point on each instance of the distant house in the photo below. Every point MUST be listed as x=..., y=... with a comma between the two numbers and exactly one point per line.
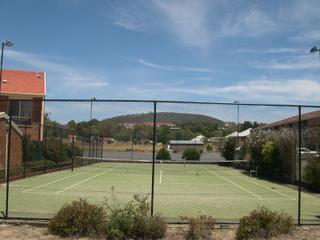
x=241, y=136
x=15, y=143
x=181, y=145
x=25, y=90
x=199, y=138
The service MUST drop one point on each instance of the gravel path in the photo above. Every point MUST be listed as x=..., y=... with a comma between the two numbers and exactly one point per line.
x=27, y=232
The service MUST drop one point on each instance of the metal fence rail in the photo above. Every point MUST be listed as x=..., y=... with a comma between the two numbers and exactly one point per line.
x=190, y=158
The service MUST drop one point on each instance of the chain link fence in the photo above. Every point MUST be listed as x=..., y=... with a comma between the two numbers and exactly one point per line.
x=189, y=158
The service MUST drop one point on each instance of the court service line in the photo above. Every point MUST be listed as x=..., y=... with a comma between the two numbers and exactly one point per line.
x=237, y=185
x=46, y=184
x=269, y=188
x=84, y=180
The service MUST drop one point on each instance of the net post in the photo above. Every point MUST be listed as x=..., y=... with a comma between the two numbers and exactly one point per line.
x=299, y=168
x=8, y=164
x=153, y=155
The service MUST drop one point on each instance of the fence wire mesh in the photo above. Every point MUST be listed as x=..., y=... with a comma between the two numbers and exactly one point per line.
x=189, y=158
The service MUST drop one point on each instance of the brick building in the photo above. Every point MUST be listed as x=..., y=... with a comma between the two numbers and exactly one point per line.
x=25, y=90
x=15, y=143
x=310, y=123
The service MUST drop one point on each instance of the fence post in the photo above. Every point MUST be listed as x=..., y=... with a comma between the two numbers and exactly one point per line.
x=8, y=164
x=153, y=154
x=25, y=154
x=102, y=143
x=60, y=162
x=82, y=145
x=45, y=147
x=299, y=169
x=72, y=163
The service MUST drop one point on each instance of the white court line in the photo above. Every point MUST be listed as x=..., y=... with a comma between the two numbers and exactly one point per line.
x=269, y=188
x=237, y=185
x=84, y=180
x=46, y=184
x=160, y=179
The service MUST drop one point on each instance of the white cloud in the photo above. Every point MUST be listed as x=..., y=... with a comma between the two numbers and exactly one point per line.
x=187, y=20
x=306, y=36
x=270, y=50
x=171, y=68
x=284, y=91
x=298, y=63
x=70, y=76
x=131, y=17
x=251, y=23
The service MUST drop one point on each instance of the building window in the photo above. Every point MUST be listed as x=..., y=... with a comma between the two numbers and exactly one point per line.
x=21, y=111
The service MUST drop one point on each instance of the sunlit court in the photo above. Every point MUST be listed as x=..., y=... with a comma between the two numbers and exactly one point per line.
x=181, y=189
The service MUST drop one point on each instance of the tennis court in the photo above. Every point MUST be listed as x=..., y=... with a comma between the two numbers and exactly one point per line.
x=224, y=192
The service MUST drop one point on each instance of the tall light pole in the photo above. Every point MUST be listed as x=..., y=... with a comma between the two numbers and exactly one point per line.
x=315, y=49
x=5, y=43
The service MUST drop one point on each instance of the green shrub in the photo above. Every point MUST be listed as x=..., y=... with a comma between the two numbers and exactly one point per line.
x=163, y=154
x=264, y=223
x=209, y=148
x=312, y=173
x=228, y=148
x=200, y=227
x=133, y=221
x=270, y=164
x=191, y=154
x=79, y=219
x=57, y=152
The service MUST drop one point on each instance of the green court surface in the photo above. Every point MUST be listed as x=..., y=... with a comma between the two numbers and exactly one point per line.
x=225, y=193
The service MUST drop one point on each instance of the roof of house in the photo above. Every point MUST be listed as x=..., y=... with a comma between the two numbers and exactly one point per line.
x=185, y=142
x=294, y=119
x=234, y=134
x=199, y=138
x=23, y=82
x=244, y=133
x=3, y=115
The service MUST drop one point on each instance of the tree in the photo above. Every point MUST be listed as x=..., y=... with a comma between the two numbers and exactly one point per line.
x=163, y=154
x=228, y=149
x=191, y=154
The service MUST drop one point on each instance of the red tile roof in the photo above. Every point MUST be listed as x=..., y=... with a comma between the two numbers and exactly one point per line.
x=23, y=82
x=294, y=119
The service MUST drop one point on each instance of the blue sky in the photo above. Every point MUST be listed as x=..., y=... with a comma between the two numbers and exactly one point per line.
x=204, y=50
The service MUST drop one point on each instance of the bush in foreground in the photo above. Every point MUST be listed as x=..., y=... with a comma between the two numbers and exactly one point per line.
x=191, y=154
x=163, y=154
x=200, y=227
x=264, y=223
x=79, y=219
x=133, y=221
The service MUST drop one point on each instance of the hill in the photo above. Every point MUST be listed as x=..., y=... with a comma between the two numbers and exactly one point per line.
x=166, y=117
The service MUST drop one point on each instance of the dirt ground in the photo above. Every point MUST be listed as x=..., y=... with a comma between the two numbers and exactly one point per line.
x=28, y=232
